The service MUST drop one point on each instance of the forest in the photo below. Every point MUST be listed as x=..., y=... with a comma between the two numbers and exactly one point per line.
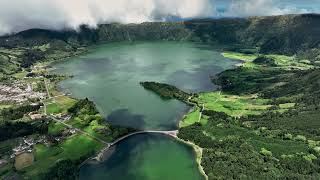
x=273, y=144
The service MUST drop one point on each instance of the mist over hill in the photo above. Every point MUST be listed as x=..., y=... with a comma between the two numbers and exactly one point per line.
x=285, y=34
x=17, y=15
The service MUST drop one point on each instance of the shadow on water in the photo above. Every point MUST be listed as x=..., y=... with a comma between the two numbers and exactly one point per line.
x=110, y=75
x=119, y=165
x=124, y=118
x=196, y=81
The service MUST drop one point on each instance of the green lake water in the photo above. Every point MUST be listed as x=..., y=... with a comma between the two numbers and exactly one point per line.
x=110, y=74
x=146, y=157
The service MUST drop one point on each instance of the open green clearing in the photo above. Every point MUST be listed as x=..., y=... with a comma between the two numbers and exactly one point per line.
x=59, y=104
x=282, y=61
x=233, y=105
x=190, y=118
x=74, y=148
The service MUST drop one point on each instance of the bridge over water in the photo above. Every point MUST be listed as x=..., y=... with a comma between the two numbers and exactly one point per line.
x=172, y=133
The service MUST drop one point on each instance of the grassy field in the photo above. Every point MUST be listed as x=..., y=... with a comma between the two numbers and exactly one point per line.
x=59, y=104
x=282, y=61
x=20, y=75
x=233, y=105
x=74, y=148
x=190, y=118
x=240, y=56
x=243, y=105
x=2, y=106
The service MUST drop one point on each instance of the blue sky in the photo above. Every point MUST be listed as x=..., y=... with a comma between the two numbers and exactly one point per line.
x=305, y=4
x=265, y=7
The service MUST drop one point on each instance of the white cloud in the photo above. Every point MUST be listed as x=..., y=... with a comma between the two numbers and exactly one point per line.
x=18, y=15
x=245, y=8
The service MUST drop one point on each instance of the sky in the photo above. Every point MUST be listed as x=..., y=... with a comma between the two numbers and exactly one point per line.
x=19, y=15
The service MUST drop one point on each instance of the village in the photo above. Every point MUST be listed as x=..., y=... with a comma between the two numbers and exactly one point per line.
x=18, y=93
x=22, y=91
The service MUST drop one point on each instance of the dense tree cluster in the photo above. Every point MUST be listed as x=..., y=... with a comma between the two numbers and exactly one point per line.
x=245, y=80
x=233, y=153
x=10, y=130
x=83, y=106
x=63, y=169
x=265, y=61
x=30, y=57
x=13, y=113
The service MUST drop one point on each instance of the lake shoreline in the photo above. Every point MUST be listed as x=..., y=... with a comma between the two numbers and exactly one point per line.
x=196, y=149
x=198, y=152
x=107, y=151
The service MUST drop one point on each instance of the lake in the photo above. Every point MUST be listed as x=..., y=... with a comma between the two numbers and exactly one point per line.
x=144, y=157
x=110, y=74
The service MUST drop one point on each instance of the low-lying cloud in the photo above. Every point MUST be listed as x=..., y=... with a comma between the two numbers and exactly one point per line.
x=18, y=15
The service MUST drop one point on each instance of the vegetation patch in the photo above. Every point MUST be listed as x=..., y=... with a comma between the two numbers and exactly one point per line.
x=76, y=148
x=190, y=118
x=166, y=91
x=233, y=105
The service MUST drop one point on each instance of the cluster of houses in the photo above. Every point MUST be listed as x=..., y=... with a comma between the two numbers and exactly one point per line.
x=62, y=116
x=18, y=93
x=27, y=145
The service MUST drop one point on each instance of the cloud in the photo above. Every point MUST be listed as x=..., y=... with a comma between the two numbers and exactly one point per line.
x=243, y=8
x=18, y=15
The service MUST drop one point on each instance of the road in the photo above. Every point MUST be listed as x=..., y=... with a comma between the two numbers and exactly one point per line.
x=47, y=89
x=170, y=133
x=201, y=112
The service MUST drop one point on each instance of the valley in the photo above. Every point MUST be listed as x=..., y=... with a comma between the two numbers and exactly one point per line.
x=248, y=102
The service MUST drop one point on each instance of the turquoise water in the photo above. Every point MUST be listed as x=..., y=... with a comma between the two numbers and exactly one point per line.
x=110, y=75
